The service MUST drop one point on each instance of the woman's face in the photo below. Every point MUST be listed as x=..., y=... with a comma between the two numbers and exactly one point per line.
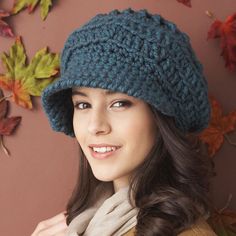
x=125, y=123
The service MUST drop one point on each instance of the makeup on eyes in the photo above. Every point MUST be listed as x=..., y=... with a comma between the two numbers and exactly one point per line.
x=126, y=103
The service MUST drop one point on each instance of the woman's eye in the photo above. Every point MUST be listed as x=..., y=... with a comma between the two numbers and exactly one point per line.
x=122, y=104
x=84, y=105
x=80, y=105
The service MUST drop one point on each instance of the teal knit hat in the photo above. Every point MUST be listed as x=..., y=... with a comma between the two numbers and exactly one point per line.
x=137, y=53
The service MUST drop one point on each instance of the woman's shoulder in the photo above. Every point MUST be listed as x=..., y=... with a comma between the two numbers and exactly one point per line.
x=200, y=228
x=130, y=232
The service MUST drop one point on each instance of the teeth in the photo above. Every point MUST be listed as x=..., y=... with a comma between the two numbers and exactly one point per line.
x=104, y=149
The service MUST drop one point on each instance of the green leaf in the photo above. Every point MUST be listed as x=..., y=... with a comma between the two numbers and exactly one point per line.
x=31, y=4
x=25, y=80
x=44, y=8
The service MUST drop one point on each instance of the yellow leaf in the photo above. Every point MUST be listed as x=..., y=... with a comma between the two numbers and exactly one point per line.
x=44, y=8
x=31, y=4
x=25, y=80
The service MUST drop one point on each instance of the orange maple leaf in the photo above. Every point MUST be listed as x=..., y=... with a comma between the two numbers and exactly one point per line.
x=19, y=95
x=27, y=79
x=226, y=31
x=219, y=125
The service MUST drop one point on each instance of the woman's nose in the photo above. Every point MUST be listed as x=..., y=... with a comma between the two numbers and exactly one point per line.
x=98, y=123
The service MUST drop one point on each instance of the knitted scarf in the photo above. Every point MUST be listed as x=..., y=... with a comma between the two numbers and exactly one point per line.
x=112, y=214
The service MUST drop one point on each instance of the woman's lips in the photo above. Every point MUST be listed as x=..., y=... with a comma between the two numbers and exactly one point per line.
x=105, y=155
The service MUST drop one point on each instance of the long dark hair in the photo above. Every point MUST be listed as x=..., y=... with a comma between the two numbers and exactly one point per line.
x=170, y=188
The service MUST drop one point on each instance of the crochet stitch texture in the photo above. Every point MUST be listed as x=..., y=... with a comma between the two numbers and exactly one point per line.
x=137, y=53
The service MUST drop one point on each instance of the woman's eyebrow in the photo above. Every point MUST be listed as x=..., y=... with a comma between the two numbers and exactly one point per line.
x=76, y=92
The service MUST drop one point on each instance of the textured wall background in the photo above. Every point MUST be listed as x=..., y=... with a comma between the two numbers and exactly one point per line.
x=37, y=180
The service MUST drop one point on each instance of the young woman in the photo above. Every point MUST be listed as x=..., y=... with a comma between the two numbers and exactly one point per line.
x=134, y=95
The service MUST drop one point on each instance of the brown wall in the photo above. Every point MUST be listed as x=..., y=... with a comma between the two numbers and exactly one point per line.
x=36, y=181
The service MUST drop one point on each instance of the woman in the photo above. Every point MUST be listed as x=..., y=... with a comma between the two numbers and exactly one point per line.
x=134, y=95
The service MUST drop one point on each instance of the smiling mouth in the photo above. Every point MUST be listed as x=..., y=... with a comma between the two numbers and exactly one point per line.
x=103, y=155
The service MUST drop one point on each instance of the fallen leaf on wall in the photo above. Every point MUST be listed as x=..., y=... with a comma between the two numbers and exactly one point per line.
x=5, y=29
x=27, y=80
x=186, y=2
x=226, y=31
x=223, y=223
x=218, y=127
x=7, y=124
x=31, y=4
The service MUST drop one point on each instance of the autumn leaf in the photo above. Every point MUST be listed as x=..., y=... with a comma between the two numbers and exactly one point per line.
x=186, y=2
x=226, y=31
x=27, y=80
x=223, y=222
x=7, y=124
x=218, y=127
x=5, y=29
x=31, y=4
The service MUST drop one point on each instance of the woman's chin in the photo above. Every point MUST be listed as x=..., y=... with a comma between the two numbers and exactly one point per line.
x=104, y=178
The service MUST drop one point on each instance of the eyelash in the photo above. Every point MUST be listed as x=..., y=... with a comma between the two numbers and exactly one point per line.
x=125, y=104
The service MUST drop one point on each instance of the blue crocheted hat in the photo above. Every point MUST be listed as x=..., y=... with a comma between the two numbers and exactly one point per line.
x=137, y=53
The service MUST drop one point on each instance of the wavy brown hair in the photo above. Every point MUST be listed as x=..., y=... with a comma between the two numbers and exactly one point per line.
x=170, y=188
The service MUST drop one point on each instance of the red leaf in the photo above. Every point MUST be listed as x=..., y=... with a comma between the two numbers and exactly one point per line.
x=219, y=125
x=5, y=29
x=3, y=107
x=7, y=125
x=186, y=2
x=226, y=31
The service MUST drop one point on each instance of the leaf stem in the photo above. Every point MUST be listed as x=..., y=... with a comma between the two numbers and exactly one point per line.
x=210, y=14
x=227, y=203
x=229, y=140
x=6, y=97
x=3, y=146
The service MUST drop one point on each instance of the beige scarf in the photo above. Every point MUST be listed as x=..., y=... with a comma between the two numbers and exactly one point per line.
x=111, y=215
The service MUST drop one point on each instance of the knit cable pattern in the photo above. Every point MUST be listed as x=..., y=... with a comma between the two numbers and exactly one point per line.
x=137, y=53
